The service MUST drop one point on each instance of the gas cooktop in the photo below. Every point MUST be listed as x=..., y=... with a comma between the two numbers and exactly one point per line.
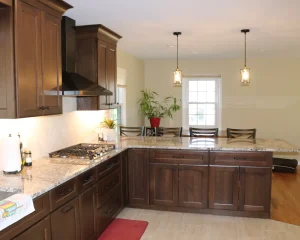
x=83, y=151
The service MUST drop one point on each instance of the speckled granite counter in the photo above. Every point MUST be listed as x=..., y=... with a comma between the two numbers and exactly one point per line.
x=48, y=173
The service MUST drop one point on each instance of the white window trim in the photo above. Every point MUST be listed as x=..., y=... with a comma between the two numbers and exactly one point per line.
x=185, y=103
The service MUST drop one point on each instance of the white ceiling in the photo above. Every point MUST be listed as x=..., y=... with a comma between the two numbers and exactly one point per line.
x=211, y=28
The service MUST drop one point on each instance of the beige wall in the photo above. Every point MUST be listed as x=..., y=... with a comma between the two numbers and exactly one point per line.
x=135, y=83
x=271, y=103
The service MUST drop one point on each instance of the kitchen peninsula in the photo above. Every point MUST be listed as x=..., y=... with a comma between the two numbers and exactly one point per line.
x=214, y=176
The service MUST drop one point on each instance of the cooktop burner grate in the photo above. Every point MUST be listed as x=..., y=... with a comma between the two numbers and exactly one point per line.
x=83, y=151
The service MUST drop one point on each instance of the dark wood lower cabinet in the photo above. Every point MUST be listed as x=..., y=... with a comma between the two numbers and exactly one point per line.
x=223, y=187
x=65, y=221
x=87, y=212
x=39, y=231
x=107, y=213
x=255, y=189
x=193, y=186
x=163, y=184
x=138, y=176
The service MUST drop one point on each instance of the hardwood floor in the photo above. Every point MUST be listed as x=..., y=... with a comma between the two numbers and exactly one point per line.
x=285, y=203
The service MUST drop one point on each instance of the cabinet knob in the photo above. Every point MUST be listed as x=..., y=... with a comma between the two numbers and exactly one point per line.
x=236, y=171
x=181, y=169
x=46, y=108
x=41, y=108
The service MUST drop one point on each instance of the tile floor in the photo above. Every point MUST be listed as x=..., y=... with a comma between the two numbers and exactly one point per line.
x=189, y=226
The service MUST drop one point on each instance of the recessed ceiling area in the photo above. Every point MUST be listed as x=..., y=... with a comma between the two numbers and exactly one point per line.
x=210, y=29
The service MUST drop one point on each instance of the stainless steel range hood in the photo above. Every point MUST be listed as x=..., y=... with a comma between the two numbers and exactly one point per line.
x=73, y=84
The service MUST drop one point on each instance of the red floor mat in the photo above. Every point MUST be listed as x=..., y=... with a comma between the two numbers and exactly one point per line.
x=124, y=229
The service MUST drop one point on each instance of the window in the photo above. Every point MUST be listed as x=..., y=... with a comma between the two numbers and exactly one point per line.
x=121, y=99
x=201, y=102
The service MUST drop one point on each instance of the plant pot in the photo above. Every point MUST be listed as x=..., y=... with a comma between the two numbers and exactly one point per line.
x=154, y=122
x=110, y=134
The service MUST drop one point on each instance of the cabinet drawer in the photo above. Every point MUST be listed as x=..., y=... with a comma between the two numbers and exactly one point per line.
x=63, y=193
x=87, y=179
x=241, y=158
x=179, y=157
x=42, y=209
x=107, y=186
x=107, y=213
x=108, y=166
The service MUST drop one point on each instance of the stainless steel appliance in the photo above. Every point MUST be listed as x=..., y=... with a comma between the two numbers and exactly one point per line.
x=83, y=151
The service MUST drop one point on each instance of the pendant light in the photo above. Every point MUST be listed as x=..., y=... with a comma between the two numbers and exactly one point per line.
x=245, y=72
x=177, y=74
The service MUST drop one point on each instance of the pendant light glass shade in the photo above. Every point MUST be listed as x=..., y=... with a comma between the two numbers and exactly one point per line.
x=245, y=75
x=245, y=72
x=177, y=82
x=177, y=77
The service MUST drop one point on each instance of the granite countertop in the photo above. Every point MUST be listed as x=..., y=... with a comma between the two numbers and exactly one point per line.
x=47, y=173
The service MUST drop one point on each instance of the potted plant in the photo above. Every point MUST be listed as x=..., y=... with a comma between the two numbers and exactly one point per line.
x=110, y=127
x=155, y=110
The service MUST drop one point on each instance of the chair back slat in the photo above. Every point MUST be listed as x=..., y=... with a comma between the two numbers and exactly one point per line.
x=204, y=132
x=176, y=132
x=241, y=133
x=131, y=131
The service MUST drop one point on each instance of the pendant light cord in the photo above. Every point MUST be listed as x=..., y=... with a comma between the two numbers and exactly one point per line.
x=245, y=49
x=177, y=51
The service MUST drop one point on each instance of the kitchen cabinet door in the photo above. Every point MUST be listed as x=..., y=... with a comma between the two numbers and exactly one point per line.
x=65, y=221
x=193, y=186
x=163, y=184
x=223, y=187
x=51, y=64
x=7, y=86
x=28, y=60
x=138, y=176
x=124, y=167
x=87, y=210
x=39, y=231
x=112, y=72
x=255, y=189
x=102, y=71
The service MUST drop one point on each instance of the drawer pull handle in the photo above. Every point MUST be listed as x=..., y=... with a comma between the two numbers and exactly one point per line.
x=240, y=158
x=87, y=180
x=111, y=165
x=111, y=185
x=67, y=209
x=66, y=192
x=177, y=156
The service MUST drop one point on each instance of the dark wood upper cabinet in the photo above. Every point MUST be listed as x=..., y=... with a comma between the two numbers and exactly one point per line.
x=30, y=73
x=97, y=60
x=138, y=176
x=39, y=231
x=223, y=187
x=163, y=184
x=193, y=186
x=255, y=189
x=65, y=221
x=87, y=210
x=28, y=60
x=51, y=63
x=7, y=83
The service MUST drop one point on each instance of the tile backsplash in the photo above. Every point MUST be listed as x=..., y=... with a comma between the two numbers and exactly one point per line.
x=46, y=134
